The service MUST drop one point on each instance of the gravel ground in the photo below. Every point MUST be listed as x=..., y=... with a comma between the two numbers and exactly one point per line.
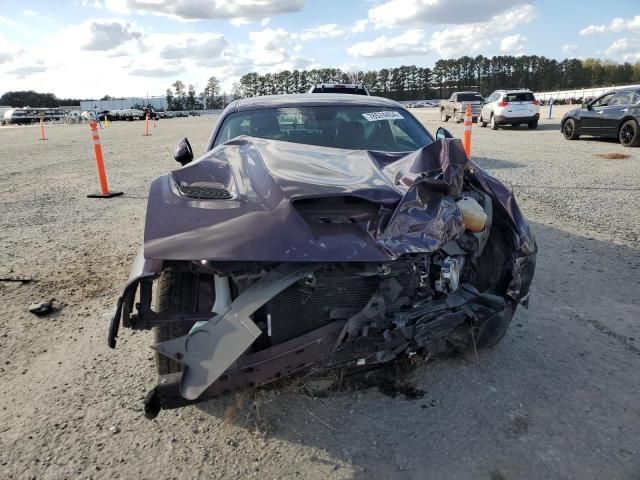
x=558, y=398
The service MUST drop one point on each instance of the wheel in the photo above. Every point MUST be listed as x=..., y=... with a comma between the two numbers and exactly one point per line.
x=456, y=118
x=533, y=125
x=569, y=130
x=494, y=330
x=179, y=290
x=492, y=123
x=493, y=276
x=443, y=116
x=482, y=123
x=629, y=134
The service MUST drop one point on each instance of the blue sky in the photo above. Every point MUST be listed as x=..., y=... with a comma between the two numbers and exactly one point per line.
x=90, y=48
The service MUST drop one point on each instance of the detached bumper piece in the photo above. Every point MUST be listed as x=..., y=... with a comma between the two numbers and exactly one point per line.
x=366, y=340
x=259, y=368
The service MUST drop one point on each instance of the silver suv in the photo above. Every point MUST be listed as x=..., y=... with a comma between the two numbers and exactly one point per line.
x=510, y=107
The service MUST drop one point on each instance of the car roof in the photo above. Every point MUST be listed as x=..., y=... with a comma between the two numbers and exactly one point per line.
x=310, y=100
x=623, y=89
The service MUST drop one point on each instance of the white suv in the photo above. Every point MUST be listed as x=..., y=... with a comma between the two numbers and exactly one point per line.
x=510, y=107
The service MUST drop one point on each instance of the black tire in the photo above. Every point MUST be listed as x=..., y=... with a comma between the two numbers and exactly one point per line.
x=443, y=116
x=492, y=123
x=179, y=290
x=570, y=130
x=533, y=125
x=493, y=276
x=629, y=134
x=494, y=330
x=482, y=124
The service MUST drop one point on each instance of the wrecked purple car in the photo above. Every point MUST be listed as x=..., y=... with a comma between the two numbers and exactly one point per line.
x=320, y=232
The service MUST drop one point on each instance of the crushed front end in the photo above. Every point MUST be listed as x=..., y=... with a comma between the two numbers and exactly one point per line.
x=422, y=254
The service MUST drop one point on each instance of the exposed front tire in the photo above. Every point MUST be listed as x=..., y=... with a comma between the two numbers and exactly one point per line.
x=179, y=290
x=481, y=122
x=570, y=130
x=493, y=276
x=629, y=134
x=443, y=116
x=533, y=125
x=494, y=330
x=492, y=122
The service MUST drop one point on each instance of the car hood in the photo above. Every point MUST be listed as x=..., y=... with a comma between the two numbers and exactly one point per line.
x=572, y=113
x=255, y=199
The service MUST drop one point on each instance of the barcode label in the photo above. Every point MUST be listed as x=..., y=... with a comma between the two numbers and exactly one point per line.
x=377, y=116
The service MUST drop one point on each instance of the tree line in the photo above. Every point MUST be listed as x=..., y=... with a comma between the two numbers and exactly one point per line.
x=30, y=98
x=180, y=97
x=483, y=74
x=408, y=82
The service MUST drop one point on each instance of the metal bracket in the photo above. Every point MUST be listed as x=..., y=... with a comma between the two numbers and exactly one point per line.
x=208, y=350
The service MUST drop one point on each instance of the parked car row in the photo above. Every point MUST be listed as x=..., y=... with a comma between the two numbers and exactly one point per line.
x=615, y=114
x=28, y=115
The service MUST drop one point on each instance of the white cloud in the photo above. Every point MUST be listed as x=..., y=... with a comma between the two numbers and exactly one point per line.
x=616, y=25
x=237, y=10
x=420, y=12
x=274, y=39
x=330, y=30
x=30, y=13
x=474, y=38
x=202, y=47
x=569, y=49
x=108, y=34
x=513, y=44
x=625, y=49
x=155, y=72
x=7, y=50
x=23, y=72
x=359, y=26
x=411, y=42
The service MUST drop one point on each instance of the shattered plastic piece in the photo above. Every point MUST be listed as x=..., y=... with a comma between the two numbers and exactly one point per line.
x=41, y=308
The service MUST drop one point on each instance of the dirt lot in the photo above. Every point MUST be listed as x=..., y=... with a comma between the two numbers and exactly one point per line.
x=557, y=399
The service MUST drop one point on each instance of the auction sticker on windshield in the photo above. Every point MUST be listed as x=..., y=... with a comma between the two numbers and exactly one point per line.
x=376, y=116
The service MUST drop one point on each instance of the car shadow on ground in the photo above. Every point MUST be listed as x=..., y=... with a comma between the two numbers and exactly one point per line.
x=525, y=128
x=545, y=388
x=488, y=163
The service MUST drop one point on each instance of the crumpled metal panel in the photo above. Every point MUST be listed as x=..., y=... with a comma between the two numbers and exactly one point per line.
x=266, y=177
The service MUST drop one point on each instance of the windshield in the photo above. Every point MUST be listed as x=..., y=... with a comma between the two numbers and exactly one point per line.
x=351, y=127
x=469, y=97
x=519, y=97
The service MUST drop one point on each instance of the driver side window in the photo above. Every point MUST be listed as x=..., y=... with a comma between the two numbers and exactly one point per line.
x=622, y=98
x=602, y=101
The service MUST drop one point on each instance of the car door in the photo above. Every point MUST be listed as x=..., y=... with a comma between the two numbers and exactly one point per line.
x=486, y=107
x=591, y=118
x=616, y=111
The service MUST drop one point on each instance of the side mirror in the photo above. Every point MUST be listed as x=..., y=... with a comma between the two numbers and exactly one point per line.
x=443, y=133
x=183, y=152
x=586, y=105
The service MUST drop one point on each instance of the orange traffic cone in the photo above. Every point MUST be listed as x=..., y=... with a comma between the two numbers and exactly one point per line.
x=466, y=137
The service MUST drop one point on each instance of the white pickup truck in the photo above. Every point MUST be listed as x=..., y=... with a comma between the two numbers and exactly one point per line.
x=456, y=106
